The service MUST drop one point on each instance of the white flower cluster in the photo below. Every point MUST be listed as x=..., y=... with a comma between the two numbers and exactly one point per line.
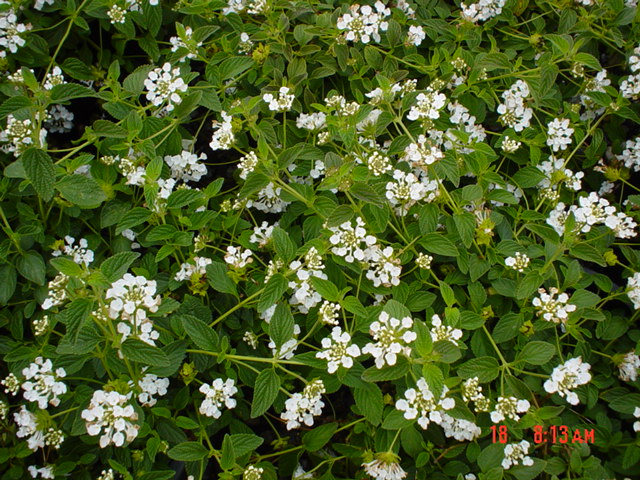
x=384, y=469
x=132, y=298
x=11, y=32
x=519, y=262
x=566, y=377
x=428, y=105
x=559, y=134
x=218, y=393
x=165, y=85
x=262, y=234
x=482, y=11
x=80, y=252
x=304, y=296
x=630, y=86
x=185, y=166
x=41, y=383
x=422, y=153
x=509, y=407
x=28, y=427
x=460, y=116
x=392, y=336
x=516, y=454
x=132, y=168
x=245, y=44
x=223, y=136
x=551, y=308
x=593, y=210
x=338, y=351
x=57, y=292
x=253, y=7
x=423, y=405
x=11, y=384
x=247, y=164
x=328, y=313
x=459, y=428
x=341, y=106
x=510, y=145
x=269, y=200
x=364, y=23
x=152, y=385
x=630, y=156
x=302, y=407
x=19, y=135
x=628, y=368
x=252, y=473
x=187, y=43
x=288, y=348
x=424, y=261
x=111, y=414
x=416, y=35
x=281, y=103
x=555, y=173
x=59, y=119
x=444, y=332
x=384, y=267
x=472, y=391
x=513, y=111
x=53, y=78
x=633, y=289
x=43, y=472
x=377, y=163
x=188, y=270
x=595, y=84
x=348, y=240
x=237, y=258
x=378, y=94
x=312, y=121
x=406, y=189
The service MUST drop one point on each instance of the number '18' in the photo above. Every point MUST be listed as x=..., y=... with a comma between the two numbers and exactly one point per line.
x=499, y=433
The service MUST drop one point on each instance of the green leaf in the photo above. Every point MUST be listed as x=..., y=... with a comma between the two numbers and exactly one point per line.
x=183, y=197
x=317, y=438
x=219, y=280
x=69, y=91
x=105, y=128
x=66, y=266
x=485, y=368
x=201, y=334
x=528, y=177
x=374, y=374
x=134, y=82
x=188, y=452
x=273, y=291
x=465, y=224
x=82, y=191
x=255, y=182
x=353, y=305
x=370, y=403
x=31, y=266
x=528, y=285
x=228, y=457
x=75, y=317
x=133, y=218
x=115, y=267
x=439, y=244
x=13, y=104
x=8, y=283
x=424, y=342
x=366, y=193
x=537, y=353
x=234, y=66
x=587, y=252
x=281, y=325
x=283, y=244
x=139, y=351
x=244, y=443
x=448, y=352
x=395, y=420
x=493, y=61
x=265, y=392
x=40, y=171
x=326, y=289
x=507, y=327
x=447, y=294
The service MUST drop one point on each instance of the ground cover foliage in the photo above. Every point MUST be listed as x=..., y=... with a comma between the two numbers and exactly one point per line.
x=281, y=239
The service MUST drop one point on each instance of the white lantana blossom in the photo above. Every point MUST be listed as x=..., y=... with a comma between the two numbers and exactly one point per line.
x=444, y=332
x=364, y=23
x=566, y=377
x=393, y=336
x=348, y=240
x=628, y=368
x=300, y=408
x=42, y=384
x=131, y=300
x=81, y=253
x=482, y=10
x=188, y=270
x=633, y=289
x=223, y=137
x=152, y=386
x=238, y=258
x=112, y=416
x=186, y=166
x=516, y=454
x=280, y=103
x=551, y=308
x=428, y=105
x=509, y=407
x=217, y=394
x=513, y=112
x=518, y=263
x=165, y=85
x=423, y=405
x=384, y=267
x=19, y=135
x=385, y=467
x=559, y=134
x=338, y=351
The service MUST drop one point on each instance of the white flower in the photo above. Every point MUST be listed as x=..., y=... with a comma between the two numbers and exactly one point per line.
x=152, y=385
x=338, y=351
x=519, y=262
x=80, y=252
x=633, y=289
x=328, y=313
x=247, y=164
x=165, y=85
x=188, y=270
x=269, y=200
x=27, y=424
x=631, y=154
x=482, y=11
x=384, y=268
x=628, y=368
x=281, y=103
x=385, y=467
x=416, y=35
x=553, y=309
x=422, y=153
x=288, y=348
x=11, y=32
x=11, y=384
x=444, y=332
x=393, y=337
x=44, y=472
x=568, y=376
x=237, y=258
x=41, y=383
x=223, y=137
x=57, y=293
x=131, y=300
x=59, y=119
x=55, y=77
x=251, y=339
x=218, y=393
x=187, y=43
x=245, y=44
x=363, y=23
x=313, y=121
x=427, y=106
x=458, y=428
x=406, y=189
x=262, y=234
x=348, y=240
x=301, y=408
x=513, y=111
x=509, y=407
x=20, y=134
x=378, y=164
x=424, y=261
x=111, y=415
x=559, y=134
x=636, y=425
x=515, y=454
x=185, y=166
x=252, y=473
x=304, y=295
x=423, y=405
